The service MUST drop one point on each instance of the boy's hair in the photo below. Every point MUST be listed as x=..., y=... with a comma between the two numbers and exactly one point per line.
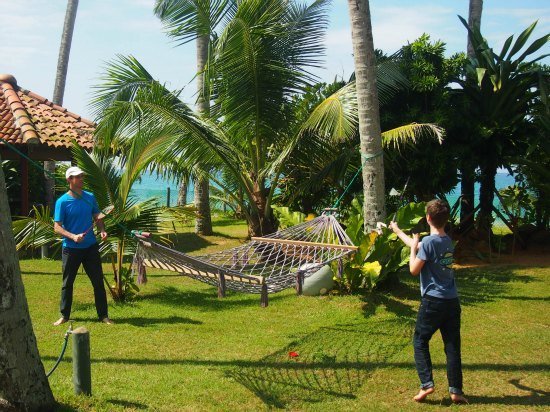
x=439, y=212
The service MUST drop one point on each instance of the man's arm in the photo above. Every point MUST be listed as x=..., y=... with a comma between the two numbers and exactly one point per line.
x=65, y=233
x=415, y=264
x=100, y=225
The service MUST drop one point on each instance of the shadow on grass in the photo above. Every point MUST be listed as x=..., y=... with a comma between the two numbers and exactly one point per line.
x=188, y=242
x=127, y=404
x=36, y=273
x=331, y=362
x=205, y=301
x=475, y=286
x=145, y=321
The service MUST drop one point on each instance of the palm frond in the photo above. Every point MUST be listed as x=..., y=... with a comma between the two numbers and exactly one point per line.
x=410, y=133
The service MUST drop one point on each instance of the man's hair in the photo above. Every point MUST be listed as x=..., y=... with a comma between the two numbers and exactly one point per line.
x=439, y=211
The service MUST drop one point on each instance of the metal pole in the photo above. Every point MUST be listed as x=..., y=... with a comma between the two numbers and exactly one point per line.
x=168, y=197
x=82, y=371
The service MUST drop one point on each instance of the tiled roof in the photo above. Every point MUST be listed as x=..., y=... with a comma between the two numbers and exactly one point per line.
x=27, y=118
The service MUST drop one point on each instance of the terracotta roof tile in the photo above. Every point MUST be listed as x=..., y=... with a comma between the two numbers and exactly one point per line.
x=28, y=118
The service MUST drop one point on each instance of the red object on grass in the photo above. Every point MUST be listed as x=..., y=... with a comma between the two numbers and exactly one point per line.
x=293, y=354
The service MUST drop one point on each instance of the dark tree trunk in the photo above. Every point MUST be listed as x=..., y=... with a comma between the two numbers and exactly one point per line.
x=467, y=198
x=23, y=382
x=474, y=20
x=487, y=194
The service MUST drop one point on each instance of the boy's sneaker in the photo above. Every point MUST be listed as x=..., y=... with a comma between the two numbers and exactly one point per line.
x=107, y=321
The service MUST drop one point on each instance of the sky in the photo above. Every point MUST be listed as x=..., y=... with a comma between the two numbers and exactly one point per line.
x=30, y=34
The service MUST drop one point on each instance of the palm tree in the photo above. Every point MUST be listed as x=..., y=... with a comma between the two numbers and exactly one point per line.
x=467, y=164
x=261, y=60
x=187, y=20
x=24, y=382
x=369, y=116
x=58, y=91
x=501, y=99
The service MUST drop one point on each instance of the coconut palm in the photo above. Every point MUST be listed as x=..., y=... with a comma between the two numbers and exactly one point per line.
x=261, y=60
x=369, y=115
x=58, y=92
x=185, y=21
x=467, y=165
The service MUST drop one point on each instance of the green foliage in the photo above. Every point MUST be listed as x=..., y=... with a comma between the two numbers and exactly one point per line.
x=429, y=72
x=288, y=218
x=519, y=202
x=35, y=231
x=381, y=254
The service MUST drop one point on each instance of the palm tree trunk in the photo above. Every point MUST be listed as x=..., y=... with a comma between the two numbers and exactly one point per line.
x=262, y=223
x=474, y=20
x=58, y=92
x=23, y=382
x=369, y=116
x=182, y=191
x=467, y=186
x=467, y=170
x=203, y=223
x=487, y=194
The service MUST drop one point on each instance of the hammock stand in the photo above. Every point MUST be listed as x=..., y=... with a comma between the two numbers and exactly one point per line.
x=264, y=265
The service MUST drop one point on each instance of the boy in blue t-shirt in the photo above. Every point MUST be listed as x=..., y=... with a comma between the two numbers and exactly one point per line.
x=439, y=307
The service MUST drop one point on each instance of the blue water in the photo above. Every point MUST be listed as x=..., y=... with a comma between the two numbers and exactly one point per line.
x=151, y=186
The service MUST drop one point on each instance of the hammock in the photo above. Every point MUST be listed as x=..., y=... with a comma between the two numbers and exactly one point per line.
x=264, y=265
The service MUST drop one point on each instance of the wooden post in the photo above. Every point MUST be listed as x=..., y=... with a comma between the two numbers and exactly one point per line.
x=82, y=371
x=168, y=196
x=264, y=296
x=24, y=187
x=299, y=282
x=221, y=285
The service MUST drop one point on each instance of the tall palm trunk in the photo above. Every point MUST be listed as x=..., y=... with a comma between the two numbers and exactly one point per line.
x=487, y=192
x=23, y=382
x=467, y=168
x=474, y=20
x=182, y=191
x=58, y=92
x=203, y=223
x=369, y=116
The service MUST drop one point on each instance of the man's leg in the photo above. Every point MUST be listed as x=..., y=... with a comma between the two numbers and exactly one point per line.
x=427, y=323
x=92, y=266
x=450, y=332
x=71, y=259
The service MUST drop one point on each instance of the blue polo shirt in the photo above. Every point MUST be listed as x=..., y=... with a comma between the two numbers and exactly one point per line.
x=436, y=276
x=76, y=216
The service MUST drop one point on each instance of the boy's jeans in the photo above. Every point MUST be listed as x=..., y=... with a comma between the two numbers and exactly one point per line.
x=442, y=314
x=72, y=258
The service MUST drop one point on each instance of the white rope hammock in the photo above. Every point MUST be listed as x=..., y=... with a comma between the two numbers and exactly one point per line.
x=263, y=265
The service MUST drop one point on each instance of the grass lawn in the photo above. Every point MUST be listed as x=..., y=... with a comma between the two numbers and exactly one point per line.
x=178, y=347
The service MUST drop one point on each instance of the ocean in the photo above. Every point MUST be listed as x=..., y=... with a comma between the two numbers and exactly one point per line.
x=151, y=186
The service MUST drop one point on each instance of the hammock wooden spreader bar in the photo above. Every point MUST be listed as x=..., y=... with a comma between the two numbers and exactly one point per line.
x=301, y=243
x=264, y=265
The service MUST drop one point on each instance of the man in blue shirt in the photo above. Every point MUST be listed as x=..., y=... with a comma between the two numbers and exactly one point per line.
x=75, y=213
x=440, y=307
